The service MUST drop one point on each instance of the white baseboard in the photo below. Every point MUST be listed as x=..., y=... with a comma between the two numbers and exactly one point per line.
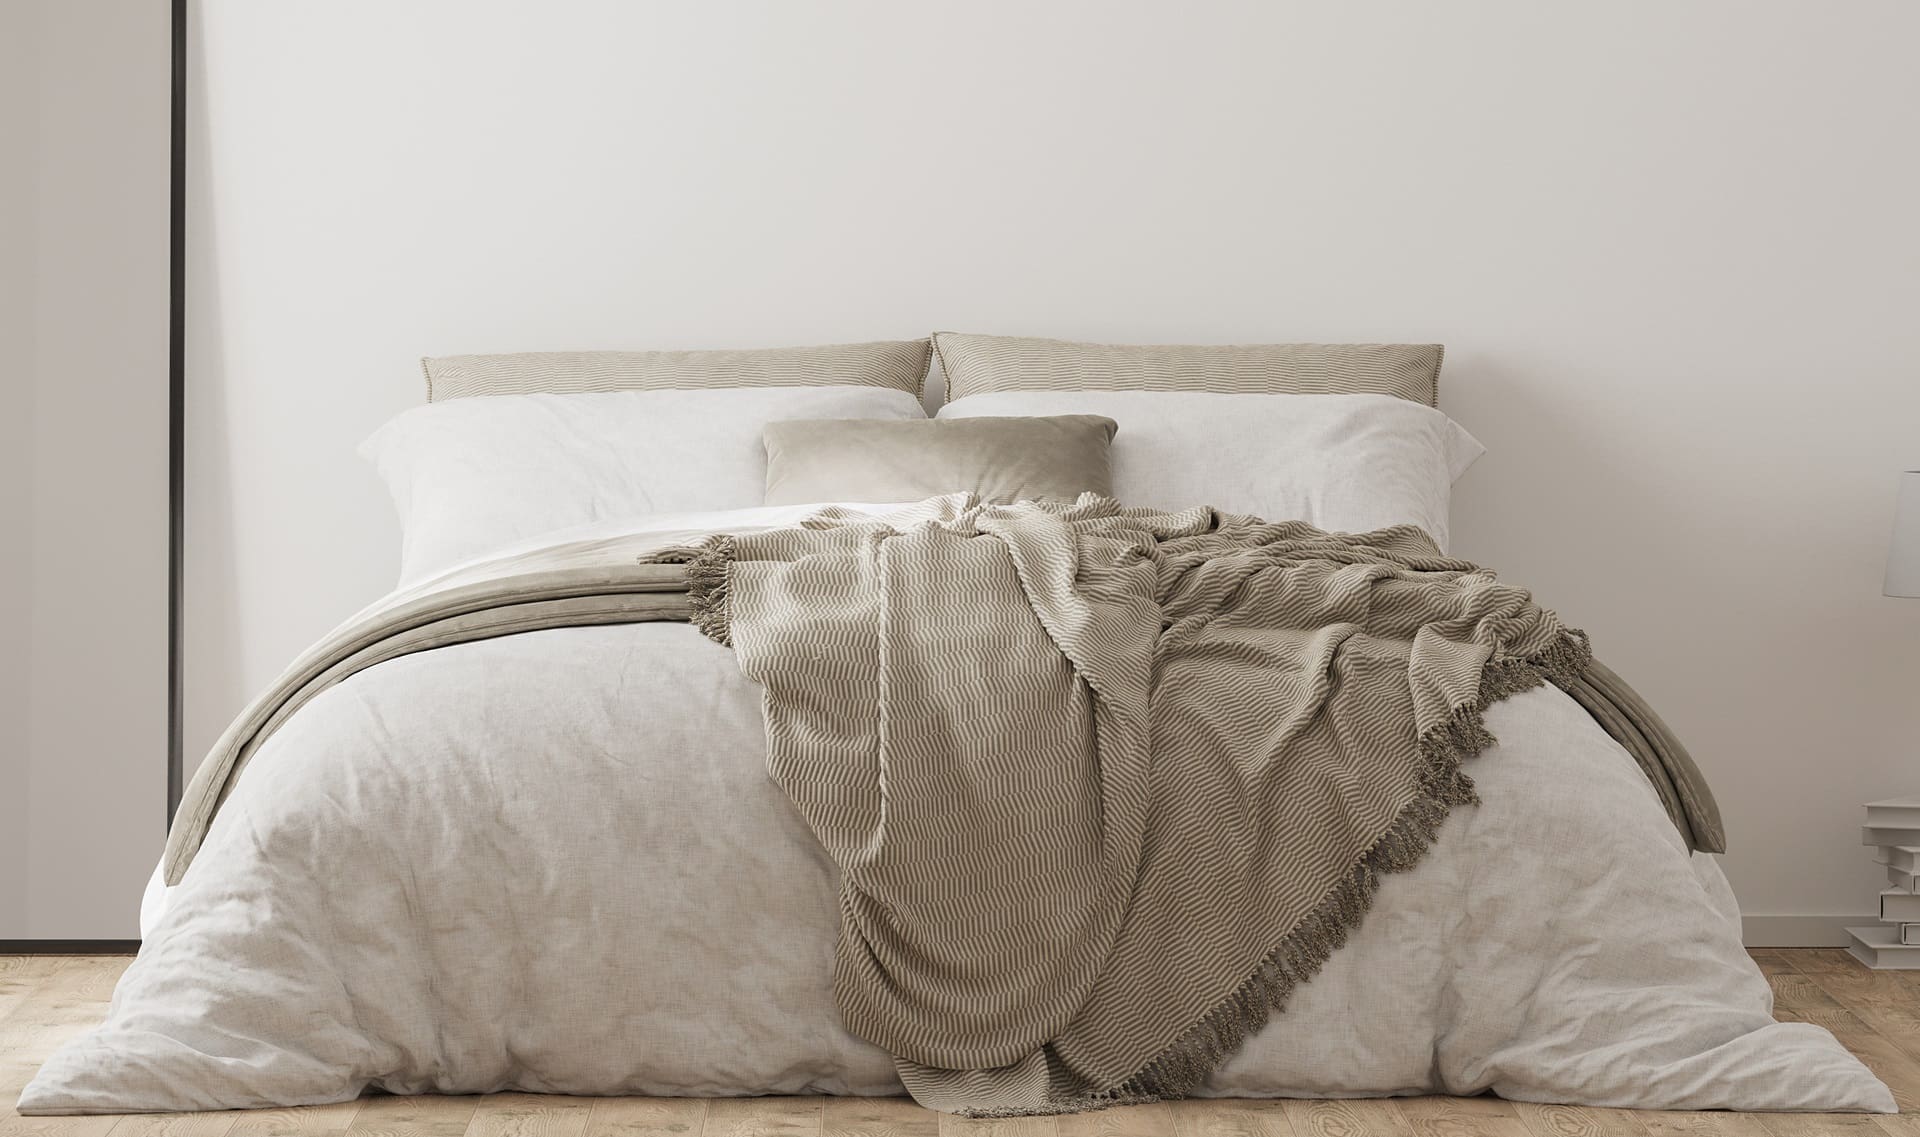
x=1799, y=931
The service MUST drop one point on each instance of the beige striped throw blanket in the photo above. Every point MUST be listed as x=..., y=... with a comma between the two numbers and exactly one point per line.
x=1106, y=784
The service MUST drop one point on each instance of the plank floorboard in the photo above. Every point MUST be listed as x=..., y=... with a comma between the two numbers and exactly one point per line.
x=1579, y=1121
x=1887, y=1002
x=646, y=1117
x=299, y=1121
x=1347, y=1119
x=20, y=977
x=1461, y=1117
x=1229, y=1117
x=951, y=1126
x=1822, y=1125
x=529, y=1115
x=174, y=1125
x=1154, y=1120
x=877, y=1117
x=417, y=1115
x=764, y=1117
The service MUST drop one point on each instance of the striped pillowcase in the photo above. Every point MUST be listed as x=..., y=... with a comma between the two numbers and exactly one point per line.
x=979, y=364
x=897, y=364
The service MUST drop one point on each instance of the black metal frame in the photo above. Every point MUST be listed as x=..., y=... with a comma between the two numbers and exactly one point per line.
x=176, y=407
x=69, y=947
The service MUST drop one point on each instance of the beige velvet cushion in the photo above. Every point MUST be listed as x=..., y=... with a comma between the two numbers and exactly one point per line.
x=898, y=364
x=1001, y=459
x=979, y=364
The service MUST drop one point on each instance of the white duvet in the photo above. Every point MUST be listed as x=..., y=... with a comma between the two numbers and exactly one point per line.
x=553, y=862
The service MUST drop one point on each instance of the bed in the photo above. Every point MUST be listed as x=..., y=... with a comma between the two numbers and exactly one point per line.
x=571, y=812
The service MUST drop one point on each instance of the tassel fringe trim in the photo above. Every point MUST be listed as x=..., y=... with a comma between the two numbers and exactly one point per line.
x=1184, y=1066
x=709, y=584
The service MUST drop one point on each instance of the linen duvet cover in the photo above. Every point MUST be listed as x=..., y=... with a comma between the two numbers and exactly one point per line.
x=554, y=861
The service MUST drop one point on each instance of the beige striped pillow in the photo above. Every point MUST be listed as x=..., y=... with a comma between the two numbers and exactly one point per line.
x=980, y=364
x=1054, y=458
x=897, y=364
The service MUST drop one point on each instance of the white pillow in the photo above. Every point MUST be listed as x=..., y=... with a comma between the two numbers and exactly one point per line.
x=1346, y=463
x=470, y=476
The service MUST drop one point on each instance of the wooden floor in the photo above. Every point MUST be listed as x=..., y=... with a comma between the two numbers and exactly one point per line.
x=46, y=999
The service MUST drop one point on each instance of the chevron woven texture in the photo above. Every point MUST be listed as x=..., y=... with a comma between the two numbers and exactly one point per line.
x=1132, y=778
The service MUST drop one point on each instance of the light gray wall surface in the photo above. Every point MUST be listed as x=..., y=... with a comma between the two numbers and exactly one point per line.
x=83, y=789
x=1671, y=248
x=17, y=92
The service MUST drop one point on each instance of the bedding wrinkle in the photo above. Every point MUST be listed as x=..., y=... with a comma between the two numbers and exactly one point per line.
x=446, y=857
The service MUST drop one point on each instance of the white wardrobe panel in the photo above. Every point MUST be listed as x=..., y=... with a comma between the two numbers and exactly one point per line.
x=84, y=779
x=16, y=328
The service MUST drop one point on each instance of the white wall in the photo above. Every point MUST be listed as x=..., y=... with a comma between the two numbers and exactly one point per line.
x=84, y=513
x=1672, y=250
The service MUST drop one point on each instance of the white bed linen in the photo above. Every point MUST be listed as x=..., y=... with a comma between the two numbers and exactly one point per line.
x=1346, y=463
x=664, y=528
x=553, y=862
x=469, y=476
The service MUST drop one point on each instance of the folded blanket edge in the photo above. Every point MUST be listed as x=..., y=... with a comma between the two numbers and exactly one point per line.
x=709, y=567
